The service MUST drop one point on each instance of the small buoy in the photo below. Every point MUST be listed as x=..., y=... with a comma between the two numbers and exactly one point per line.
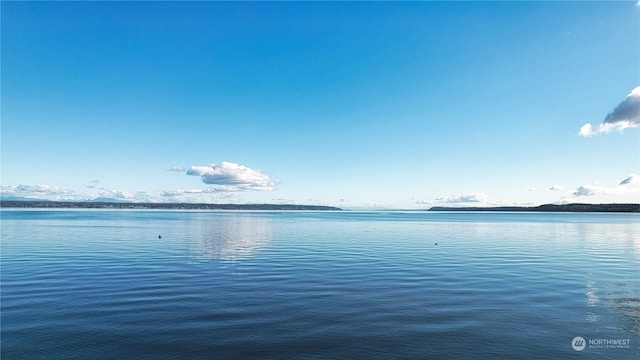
x=159, y=236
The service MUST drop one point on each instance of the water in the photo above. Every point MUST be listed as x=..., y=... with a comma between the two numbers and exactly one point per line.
x=80, y=284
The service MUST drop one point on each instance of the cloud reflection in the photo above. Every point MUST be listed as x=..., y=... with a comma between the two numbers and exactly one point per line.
x=230, y=237
x=616, y=289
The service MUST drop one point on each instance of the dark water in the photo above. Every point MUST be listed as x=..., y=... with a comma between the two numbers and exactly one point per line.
x=302, y=285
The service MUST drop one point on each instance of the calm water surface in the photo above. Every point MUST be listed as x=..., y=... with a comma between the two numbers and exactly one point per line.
x=88, y=284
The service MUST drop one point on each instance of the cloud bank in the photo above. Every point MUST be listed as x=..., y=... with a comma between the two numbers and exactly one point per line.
x=625, y=115
x=629, y=185
x=109, y=194
x=464, y=198
x=222, y=191
x=38, y=192
x=56, y=193
x=232, y=177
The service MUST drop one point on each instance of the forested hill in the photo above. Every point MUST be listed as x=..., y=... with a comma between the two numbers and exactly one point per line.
x=628, y=208
x=166, y=206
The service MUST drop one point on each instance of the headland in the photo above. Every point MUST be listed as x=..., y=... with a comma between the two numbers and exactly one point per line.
x=158, y=206
x=626, y=208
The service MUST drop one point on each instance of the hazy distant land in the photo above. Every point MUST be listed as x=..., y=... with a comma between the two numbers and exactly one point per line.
x=626, y=208
x=163, y=206
x=550, y=208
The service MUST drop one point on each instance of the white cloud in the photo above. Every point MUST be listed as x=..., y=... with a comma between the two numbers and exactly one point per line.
x=631, y=179
x=556, y=188
x=118, y=194
x=625, y=115
x=586, y=130
x=177, y=169
x=589, y=190
x=42, y=189
x=233, y=177
x=38, y=192
x=181, y=192
x=464, y=198
x=56, y=193
x=629, y=185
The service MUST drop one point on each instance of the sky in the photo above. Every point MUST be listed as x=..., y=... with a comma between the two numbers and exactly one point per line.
x=400, y=105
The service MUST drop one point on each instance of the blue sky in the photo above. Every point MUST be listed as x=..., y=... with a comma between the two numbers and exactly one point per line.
x=367, y=104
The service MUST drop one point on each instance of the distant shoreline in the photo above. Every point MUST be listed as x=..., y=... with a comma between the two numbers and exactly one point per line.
x=44, y=204
x=159, y=206
x=619, y=208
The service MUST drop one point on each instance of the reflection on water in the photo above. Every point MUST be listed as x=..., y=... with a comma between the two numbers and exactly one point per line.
x=229, y=237
x=621, y=298
x=592, y=301
x=618, y=291
x=317, y=285
x=628, y=308
x=624, y=300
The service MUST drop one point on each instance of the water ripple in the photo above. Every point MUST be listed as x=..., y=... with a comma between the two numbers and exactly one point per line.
x=316, y=285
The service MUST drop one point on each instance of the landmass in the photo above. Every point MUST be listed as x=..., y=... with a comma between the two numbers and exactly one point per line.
x=154, y=206
x=619, y=208
x=626, y=208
